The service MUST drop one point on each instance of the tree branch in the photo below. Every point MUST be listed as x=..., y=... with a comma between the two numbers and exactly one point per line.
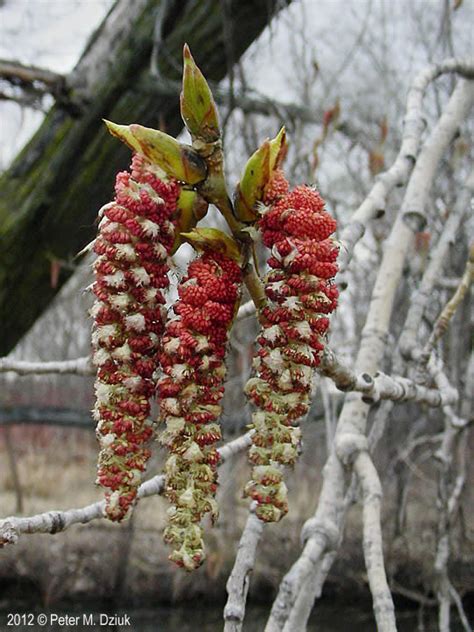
x=350, y=435
x=374, y=204
x=382, y=386
x=79, y=366
x=52, y=522
x=239, y=579
x=41, y=79
x=443, y=320
x=408, y=340
x=373, y=549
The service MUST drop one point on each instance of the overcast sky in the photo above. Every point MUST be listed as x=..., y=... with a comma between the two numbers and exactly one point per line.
x=52, y=33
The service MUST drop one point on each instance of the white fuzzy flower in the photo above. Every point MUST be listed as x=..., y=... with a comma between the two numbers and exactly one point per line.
x=275, y=286
x=103, y=392
x=284, y=381
x=135, y=322
x=172, y=345
x=107, y=440
x=186, y=499
x=171, y=405
x=116, y=279
x=274, y=360
x=193, y=453
x=303, y=328
x=122, y=353
x=100, y=357
x=202, y=342
x=292, y=303
x=126, y=252
x=152, y=193
x=151, y=294
x=151, y=229
x=160, y=251
x=133, y=383
x=141, y=276
x=175, y=425
x=180, y=372
x=114, y=500
x=135, y=477
x=305, y=375
x=104, y=333
x=107, y=226
x=258, y=419
x=304, y=350
x=291, y=256
x=120, y=301
x=272, y=333
x=167, y=227
x=205, y=363
x=106, y=208
x=95, y=309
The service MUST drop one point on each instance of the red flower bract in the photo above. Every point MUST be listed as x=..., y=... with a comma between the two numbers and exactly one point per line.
x=299, y=292
x=136, y=233
x=190, y=393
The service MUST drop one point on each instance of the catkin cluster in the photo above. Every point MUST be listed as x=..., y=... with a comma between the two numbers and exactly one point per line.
x=190, y=392
x=136, y=234
x=300, y=295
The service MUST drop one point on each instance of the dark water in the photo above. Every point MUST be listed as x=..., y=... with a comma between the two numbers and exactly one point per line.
x=192, y=618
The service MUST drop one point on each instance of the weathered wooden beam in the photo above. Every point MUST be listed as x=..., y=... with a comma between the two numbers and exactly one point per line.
x=50, y=195
x=46, y=416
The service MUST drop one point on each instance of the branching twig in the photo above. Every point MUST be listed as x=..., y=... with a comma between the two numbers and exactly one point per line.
x=239, y=579
x=55, y=521
x=79, y=366
x=443, y=320
x=408, y=340
x=374, y=204
x=373, y=550
x=381, y=386
x=350, y=436
x=44, y=80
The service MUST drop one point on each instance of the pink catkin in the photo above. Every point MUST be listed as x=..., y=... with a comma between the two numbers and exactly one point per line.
x=194, y=346
x=136, y=233
x=300, y=294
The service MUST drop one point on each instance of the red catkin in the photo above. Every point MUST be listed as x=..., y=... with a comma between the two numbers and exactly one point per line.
x=136, y=233
x=300, y=293
x=190, y=392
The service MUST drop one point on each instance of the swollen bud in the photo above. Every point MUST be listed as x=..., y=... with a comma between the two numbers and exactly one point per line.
x=256, y=176
x=192, y=207
x=177, y=160
x=198, y=109
x=214, y=240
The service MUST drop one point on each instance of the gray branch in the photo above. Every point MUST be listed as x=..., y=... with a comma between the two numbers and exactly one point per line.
x=351, y=440
x=52, y=522
x=78, y=366
x=239, y=580
x=374, y=204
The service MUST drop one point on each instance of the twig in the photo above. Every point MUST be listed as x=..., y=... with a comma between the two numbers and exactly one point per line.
x=55, y=521
x=239, y=579
x=373, y=550
x=443, y=320
x=374, y=204
x=408, y=339
x=79, y=366
x=14, y=471
x=350, y=436
x=381, y=386
x=246, y=310
x=42, y=79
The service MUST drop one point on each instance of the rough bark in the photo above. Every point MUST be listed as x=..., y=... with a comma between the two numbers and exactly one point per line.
x=50, y=195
